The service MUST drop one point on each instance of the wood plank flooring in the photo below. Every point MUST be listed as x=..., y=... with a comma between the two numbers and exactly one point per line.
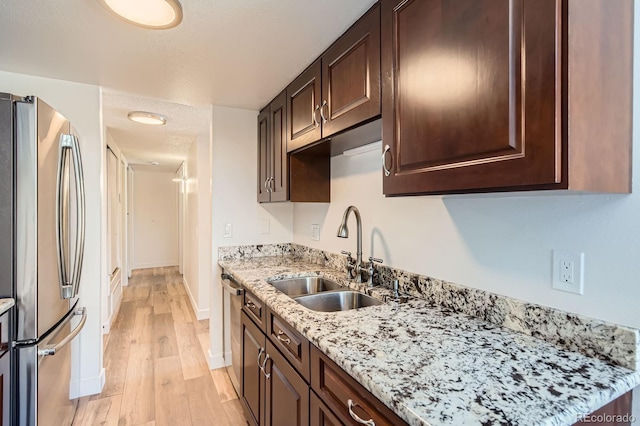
x=156, y=362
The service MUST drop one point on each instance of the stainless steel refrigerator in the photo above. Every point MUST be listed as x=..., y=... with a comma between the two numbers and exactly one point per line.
x=41, y=171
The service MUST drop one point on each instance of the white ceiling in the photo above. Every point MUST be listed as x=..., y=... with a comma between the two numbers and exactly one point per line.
x=143, y=144
x=238, y=53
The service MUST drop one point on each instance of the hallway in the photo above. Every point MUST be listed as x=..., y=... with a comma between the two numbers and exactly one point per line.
x=156, y=362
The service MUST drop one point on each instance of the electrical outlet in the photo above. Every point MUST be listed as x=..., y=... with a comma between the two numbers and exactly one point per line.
x=315, y=232
x=568, y=271
x=264, y=226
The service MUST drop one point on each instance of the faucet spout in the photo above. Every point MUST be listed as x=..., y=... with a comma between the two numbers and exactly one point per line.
x=343, y=232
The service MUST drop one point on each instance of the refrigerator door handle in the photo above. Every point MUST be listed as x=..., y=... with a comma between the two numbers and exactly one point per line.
x=62, y=221
x=77, y=166
x=69, y=280
x=49, y=350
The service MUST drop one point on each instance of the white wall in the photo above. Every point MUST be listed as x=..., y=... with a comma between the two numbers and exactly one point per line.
x=234, y=180
x=155, y=219
x=197, y=274
x=81, y=104
x=497, y=243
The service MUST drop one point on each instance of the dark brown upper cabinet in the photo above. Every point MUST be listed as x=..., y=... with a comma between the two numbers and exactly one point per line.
x=341, y=89
x=498, y=95
x=273, y=169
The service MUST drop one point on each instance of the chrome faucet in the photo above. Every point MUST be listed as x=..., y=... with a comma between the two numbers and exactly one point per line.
x=354, y=270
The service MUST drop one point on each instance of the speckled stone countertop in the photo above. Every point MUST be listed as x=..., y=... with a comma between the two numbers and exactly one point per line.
x=5, y=305
x=433, y=366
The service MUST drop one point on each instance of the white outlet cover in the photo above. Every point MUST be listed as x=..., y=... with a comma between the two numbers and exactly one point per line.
x=559, y=257
x=315, y=232
x=264, y=226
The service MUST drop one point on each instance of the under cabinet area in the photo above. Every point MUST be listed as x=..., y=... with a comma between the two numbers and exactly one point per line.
x=339, y=90
x=506, y=95
x=273, y=166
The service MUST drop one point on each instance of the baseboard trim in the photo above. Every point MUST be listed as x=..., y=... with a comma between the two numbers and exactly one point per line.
x=201, y=314
x=155, y=265
x=106, y=327
x=227, y=358
x=216, y=361
x=88, y=387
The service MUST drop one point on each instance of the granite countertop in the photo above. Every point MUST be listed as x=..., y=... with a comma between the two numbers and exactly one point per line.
x=5, y=305
x=434, y=366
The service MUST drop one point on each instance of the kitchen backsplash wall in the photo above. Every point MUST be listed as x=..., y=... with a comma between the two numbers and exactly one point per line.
x=614, y=343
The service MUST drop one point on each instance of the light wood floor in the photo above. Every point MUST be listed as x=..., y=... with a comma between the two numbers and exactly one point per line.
x=156, y=363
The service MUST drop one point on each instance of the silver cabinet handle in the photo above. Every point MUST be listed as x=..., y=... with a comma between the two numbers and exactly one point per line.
x=357, y=418
x=315, y=113
x=284, y=339
x=260, y=352
x=50, y=350
x=264, y=366
x=69, y=280
x=387, y=172
x=251, y=305
x=272, y=188
x=265, y=184
x=324, y=119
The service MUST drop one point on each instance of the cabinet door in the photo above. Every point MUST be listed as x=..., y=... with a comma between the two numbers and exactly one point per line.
x=264, y=155
x=351, y=76
x=287, y=402
x=253, y=345
x=471, y=94
x=5, y=400
x=320, y=414
x=303, y=105
x=5, y=371
x=280, y=164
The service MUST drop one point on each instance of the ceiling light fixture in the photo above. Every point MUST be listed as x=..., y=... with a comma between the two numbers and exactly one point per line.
x=152, y=14
x=144, y=117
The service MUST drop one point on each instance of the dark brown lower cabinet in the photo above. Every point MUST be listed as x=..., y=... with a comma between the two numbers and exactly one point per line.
x=253, y=386
x=320, y=414
x=5, y=371
x=287, y=394
x=273, y=393
x=348, y=401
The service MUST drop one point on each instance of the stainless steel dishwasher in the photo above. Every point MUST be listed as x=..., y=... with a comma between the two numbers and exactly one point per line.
x=235, y=291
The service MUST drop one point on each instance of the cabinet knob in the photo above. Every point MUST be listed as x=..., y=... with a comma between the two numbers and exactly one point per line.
x=387, y=148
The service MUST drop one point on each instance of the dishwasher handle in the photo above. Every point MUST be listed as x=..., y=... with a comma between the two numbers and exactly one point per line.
x=231, y=285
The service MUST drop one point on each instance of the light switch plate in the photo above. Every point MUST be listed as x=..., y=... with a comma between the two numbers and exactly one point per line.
x=315, y=232
x=568, y=271
x=228, y=230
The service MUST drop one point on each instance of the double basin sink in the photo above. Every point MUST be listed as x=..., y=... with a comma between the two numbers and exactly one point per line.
x=321, y=294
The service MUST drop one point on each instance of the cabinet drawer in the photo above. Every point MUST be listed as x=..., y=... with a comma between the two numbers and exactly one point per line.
x=336, y=389
x=291, y=343
x=255, y=309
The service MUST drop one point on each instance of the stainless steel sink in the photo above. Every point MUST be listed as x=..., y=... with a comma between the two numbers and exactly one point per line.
x=304, y=285
x=337, y=301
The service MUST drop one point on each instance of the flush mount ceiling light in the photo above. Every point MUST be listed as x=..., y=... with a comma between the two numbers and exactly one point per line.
x=147, y=118
x=152, y=14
